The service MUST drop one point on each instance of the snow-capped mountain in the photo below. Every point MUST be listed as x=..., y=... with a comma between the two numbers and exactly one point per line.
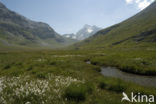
x=86, y=32
x=83, y=33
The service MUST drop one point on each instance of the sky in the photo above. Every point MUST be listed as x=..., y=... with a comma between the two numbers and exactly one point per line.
x=68, y=16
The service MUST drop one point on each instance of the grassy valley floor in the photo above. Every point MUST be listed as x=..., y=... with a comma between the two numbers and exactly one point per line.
x=64, y=77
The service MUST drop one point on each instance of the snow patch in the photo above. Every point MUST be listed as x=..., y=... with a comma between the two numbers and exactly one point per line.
x=89, y=30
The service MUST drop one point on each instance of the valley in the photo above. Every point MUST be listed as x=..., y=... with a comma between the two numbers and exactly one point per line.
x=56, y=70
x=40, y=66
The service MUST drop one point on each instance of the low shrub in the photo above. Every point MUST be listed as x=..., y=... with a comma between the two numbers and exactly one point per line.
x=41, y=75
x=29, y=68
x=7, y=66
x=102, y=85
x=52, y=63
x=117, y=87
x=97, y=68
x=16, y=73
x=78, y=91
x=111, y=84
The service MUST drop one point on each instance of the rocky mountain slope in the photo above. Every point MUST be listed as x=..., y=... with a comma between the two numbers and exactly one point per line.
x=16, y=30
x=84, y=33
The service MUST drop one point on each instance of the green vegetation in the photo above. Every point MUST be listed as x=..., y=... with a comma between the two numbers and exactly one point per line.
x=138, y=61
x=112, y=85
x=29, y=76
x=137, y=31
x=60, y=77
x=129, y=45
x=77, y=91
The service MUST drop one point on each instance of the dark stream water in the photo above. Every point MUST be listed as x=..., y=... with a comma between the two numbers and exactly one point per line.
x=139, y=79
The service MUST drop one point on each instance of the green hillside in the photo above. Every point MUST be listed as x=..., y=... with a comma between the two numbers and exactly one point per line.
x=129, y=45
x=137, y=31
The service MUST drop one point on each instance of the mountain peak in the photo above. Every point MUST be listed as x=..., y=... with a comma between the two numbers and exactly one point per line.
x=87, y=31
x=138, y=30
x=84, y=33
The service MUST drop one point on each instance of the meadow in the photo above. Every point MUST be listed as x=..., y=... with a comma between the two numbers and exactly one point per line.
x=64, y=77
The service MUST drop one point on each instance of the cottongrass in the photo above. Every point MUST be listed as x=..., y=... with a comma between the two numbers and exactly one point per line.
x=28, y=90
x=67, y=55
x=138, y=59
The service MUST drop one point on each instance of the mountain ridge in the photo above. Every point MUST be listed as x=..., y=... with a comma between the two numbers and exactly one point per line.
x=17, y=30
x=85, y=32
x=136, y=31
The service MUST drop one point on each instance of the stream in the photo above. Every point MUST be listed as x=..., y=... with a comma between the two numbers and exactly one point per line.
x=138, y=79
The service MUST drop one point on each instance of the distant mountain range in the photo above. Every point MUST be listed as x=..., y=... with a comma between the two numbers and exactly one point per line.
x=137, y=31
x=83, y=33
x=16, y=30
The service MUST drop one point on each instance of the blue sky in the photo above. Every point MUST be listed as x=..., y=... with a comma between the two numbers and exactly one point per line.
x=68, y=16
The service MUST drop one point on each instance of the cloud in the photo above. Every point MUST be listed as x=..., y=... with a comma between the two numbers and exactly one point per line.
x=141, y=4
